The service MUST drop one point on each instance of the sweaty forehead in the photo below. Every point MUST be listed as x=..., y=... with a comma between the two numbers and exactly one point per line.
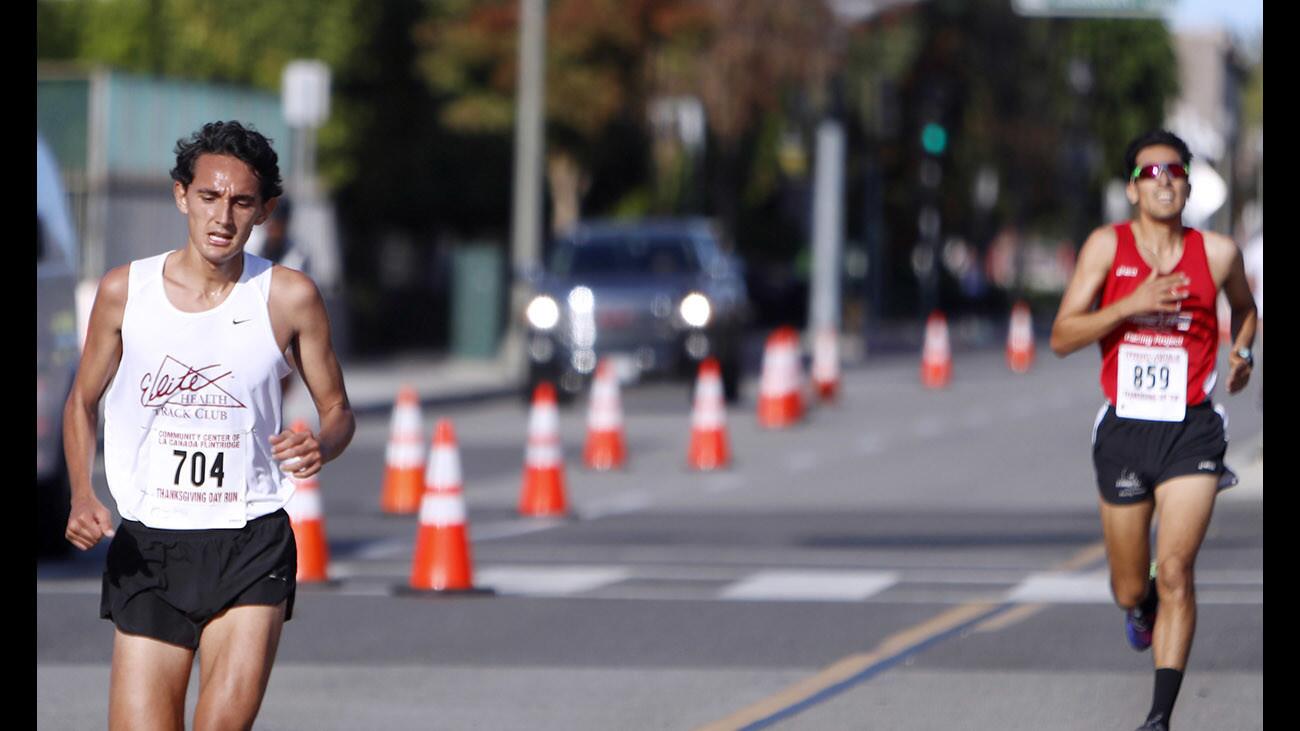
x=1155, y=154
x=225, y=173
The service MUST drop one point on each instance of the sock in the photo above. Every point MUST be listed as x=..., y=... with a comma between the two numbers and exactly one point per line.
x=1168, y=681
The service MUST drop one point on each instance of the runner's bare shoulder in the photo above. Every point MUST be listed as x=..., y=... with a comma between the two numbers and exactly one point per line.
x=1220, y=247
x=1102, y=241
x=1098, y=251
x=110, y=298
x=293, y=293
x=1222, y=253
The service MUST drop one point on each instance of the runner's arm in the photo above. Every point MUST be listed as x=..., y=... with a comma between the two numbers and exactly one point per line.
x=1078, y=324
x=89, y=520
x=1242, y=304
x=298, y=300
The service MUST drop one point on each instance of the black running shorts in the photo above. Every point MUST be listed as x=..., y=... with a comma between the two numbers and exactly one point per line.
x=1133, y=456
x=167, y=584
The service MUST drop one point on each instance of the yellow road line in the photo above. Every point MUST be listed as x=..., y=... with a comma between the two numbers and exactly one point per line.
x=850, y=666
x=894, y=644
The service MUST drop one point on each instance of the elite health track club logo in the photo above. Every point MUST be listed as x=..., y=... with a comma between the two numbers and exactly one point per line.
x=188, y=392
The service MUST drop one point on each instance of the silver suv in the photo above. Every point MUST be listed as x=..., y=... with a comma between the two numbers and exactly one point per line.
x=656, y=297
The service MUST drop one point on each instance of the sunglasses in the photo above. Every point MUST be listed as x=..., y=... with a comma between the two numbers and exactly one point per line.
x=1151, y=172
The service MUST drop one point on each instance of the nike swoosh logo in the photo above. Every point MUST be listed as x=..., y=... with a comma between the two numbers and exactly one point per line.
x=239, y=322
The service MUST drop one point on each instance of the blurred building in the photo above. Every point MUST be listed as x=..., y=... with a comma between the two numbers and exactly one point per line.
x=114, y=136
x=1207, y=115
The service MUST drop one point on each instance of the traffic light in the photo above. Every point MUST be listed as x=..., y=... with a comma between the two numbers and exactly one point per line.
x=934, y=138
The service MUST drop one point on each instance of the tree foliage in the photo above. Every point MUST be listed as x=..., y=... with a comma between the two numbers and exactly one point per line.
x=420, y=135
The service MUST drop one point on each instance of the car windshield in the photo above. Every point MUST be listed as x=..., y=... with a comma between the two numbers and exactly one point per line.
x=626, y=255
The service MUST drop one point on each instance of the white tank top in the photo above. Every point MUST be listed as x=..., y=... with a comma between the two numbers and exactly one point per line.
x=188, y=417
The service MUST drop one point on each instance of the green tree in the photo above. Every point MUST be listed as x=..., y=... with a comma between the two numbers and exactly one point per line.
x=595, y=89
x=239, y=42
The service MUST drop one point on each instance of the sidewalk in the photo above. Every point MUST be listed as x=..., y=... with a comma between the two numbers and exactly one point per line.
x=437, y=378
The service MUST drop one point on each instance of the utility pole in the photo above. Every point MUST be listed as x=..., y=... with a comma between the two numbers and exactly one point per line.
x=828, y=228
x=526, y=210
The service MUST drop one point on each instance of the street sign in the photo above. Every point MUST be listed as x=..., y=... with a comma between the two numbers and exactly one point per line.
x=305, y=93
x=1093, y=8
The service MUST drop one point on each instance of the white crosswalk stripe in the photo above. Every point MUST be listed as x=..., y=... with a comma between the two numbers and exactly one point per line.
x=548, y=580
x=1063, y=588
x=811, y=585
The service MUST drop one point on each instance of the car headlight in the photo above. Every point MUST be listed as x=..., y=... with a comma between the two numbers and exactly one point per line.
x=542, y=312
x=696, y=310
x=582, y=301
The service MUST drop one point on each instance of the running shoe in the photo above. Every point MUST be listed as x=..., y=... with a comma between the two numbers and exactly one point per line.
x=1155, y=724
x=1138, y=630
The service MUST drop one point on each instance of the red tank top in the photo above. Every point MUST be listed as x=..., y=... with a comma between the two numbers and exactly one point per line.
x=1194, y=328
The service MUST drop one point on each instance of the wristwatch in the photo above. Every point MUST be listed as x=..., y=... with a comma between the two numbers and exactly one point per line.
x=1244, y=354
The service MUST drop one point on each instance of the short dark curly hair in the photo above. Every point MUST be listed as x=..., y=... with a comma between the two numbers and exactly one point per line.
x=1154, y=137
x=234, y=139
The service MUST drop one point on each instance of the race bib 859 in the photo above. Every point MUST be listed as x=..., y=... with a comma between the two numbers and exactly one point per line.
x=1151, y=383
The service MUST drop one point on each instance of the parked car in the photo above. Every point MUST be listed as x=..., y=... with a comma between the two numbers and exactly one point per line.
x=655, y=297
x=57, y=350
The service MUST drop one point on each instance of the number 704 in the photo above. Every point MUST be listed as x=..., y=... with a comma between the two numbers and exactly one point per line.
x=199, y=472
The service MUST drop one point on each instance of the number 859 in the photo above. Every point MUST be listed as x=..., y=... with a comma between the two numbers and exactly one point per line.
x=1150, y=376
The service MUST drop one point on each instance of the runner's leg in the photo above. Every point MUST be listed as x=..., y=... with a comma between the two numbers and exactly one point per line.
x=1184, y=505
x=1126, y=530
x=236, y=652
x=148, y=682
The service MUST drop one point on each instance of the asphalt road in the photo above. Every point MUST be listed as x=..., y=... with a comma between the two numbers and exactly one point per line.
x=902, y=559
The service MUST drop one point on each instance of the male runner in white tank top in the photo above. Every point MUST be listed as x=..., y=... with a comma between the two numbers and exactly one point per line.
x=194, y=343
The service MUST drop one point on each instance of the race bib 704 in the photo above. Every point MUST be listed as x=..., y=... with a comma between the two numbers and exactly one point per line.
x=196, y=479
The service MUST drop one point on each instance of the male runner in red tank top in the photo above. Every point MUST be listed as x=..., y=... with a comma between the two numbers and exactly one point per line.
x=1159, y=447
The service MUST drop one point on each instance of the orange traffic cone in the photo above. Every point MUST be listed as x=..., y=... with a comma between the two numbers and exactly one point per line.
x=308, y=523
x=404, y=457
x=826, y=363
x=442, y=558
x=936, y=358
x=779, y=401
x=708, y=449
x=1020, y=339
x=605, y=446
x=543, y=489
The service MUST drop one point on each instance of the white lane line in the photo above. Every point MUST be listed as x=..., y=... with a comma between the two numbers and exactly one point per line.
x=404, y=547
x=847, y=586
x=509, y=528
x=1229, y=587
x=548, y=580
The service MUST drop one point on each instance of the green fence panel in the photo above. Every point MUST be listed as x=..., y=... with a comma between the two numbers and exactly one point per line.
x=477, y=297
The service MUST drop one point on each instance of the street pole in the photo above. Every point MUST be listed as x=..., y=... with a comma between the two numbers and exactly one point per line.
x=828, y=228
x=526, y=210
